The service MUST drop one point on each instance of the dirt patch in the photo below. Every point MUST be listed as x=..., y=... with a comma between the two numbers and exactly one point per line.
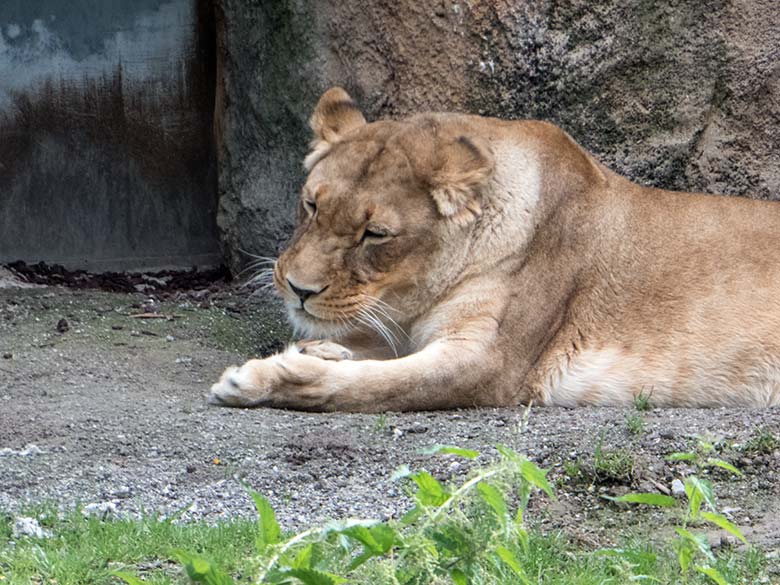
x=160, y=283
x=110, y=412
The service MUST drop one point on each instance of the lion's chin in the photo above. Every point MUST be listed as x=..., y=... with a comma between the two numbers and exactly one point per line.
x=306, y=324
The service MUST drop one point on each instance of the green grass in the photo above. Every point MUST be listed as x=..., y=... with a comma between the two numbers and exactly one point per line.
x=635, y=424
x=642, y=400
x=86, y=550
x=474, y=532
x=762, y=442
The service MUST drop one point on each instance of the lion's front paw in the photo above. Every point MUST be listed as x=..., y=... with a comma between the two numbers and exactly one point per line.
x=325, y=350
x=248, y=385
x=288, y=380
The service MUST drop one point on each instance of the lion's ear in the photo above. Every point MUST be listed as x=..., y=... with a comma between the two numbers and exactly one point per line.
x=335, y=116
x=464, y=168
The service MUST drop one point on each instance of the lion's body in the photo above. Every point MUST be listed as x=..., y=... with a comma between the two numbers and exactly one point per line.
x=511, y=267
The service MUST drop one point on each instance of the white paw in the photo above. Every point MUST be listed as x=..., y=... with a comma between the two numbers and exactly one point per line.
x=325, y=350
x=234, y=388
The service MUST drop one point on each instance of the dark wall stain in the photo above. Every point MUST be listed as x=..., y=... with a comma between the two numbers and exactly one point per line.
x=111, y=170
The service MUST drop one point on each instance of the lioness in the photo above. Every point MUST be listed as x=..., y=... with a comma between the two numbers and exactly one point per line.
x=450, y=260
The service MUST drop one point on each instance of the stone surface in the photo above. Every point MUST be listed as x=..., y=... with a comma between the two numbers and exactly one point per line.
x=29, y=527
x=678, y=488
x=682, y=95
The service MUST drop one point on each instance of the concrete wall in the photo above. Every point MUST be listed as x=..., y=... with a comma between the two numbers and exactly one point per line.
x=106, y=144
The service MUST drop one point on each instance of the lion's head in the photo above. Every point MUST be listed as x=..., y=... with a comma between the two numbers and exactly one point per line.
x=382, y=206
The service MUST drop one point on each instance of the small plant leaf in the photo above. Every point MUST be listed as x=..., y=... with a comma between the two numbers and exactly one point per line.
x=199, y=570
x=715, y=462
x=363, y=535
x=459, y=577
x=377, y=539
x=681, y=457
x=685, y=551
x=268, y=531
x=648, y=499
x=698, y=541
x=430, y=492
x=522, y=536
x=713, y=574
x=303, y=559
x=511, y=561
x=706, y=446
x=385, y=535
x=493, y=498
x=698, y=491
x=509, y=454
x=314, y=577
x=128, y=578
x=725, y=524
x=360, y=559
x=522, y=533
x=536, y=476
x=449, y=450
x=412, y=515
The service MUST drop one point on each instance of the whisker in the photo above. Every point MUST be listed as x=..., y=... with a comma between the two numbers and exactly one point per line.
x=371, y=311
x=381, y=302
x=261, y=281
x=376, y=324
x=381, y=311
x=379, y=330
x=255, y=256
x=381, y=307
x=266, y=274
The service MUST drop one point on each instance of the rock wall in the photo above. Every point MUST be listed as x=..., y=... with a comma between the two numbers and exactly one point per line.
x=677, y=94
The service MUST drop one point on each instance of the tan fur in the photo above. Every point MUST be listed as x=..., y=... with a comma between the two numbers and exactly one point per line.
x=505, y=265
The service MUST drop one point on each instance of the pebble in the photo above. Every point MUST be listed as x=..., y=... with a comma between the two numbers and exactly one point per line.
x=678, y=488
x=26, y=526
x=7, y=355
x=417, y=428
x=99, y=509
x=123, y=492
x=28, y=451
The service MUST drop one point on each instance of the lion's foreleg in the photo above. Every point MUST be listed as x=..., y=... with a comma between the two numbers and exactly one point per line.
x=447, y=373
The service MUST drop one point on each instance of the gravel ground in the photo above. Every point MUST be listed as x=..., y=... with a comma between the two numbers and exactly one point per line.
x=104, y=409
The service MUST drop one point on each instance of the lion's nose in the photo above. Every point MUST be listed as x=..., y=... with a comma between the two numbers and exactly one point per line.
x=304, y=293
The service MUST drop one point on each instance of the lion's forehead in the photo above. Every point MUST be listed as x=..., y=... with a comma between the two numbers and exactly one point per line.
x=359, y=161
x=352, y=191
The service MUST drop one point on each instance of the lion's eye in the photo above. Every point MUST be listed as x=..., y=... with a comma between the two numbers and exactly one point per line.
x=374, y=234
x=310, y=206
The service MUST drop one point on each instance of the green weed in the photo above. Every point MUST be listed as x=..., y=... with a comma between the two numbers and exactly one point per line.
x=612, y=465
x=763, y=442
x=642, y=400
x=635, y=424
x=702, y=457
